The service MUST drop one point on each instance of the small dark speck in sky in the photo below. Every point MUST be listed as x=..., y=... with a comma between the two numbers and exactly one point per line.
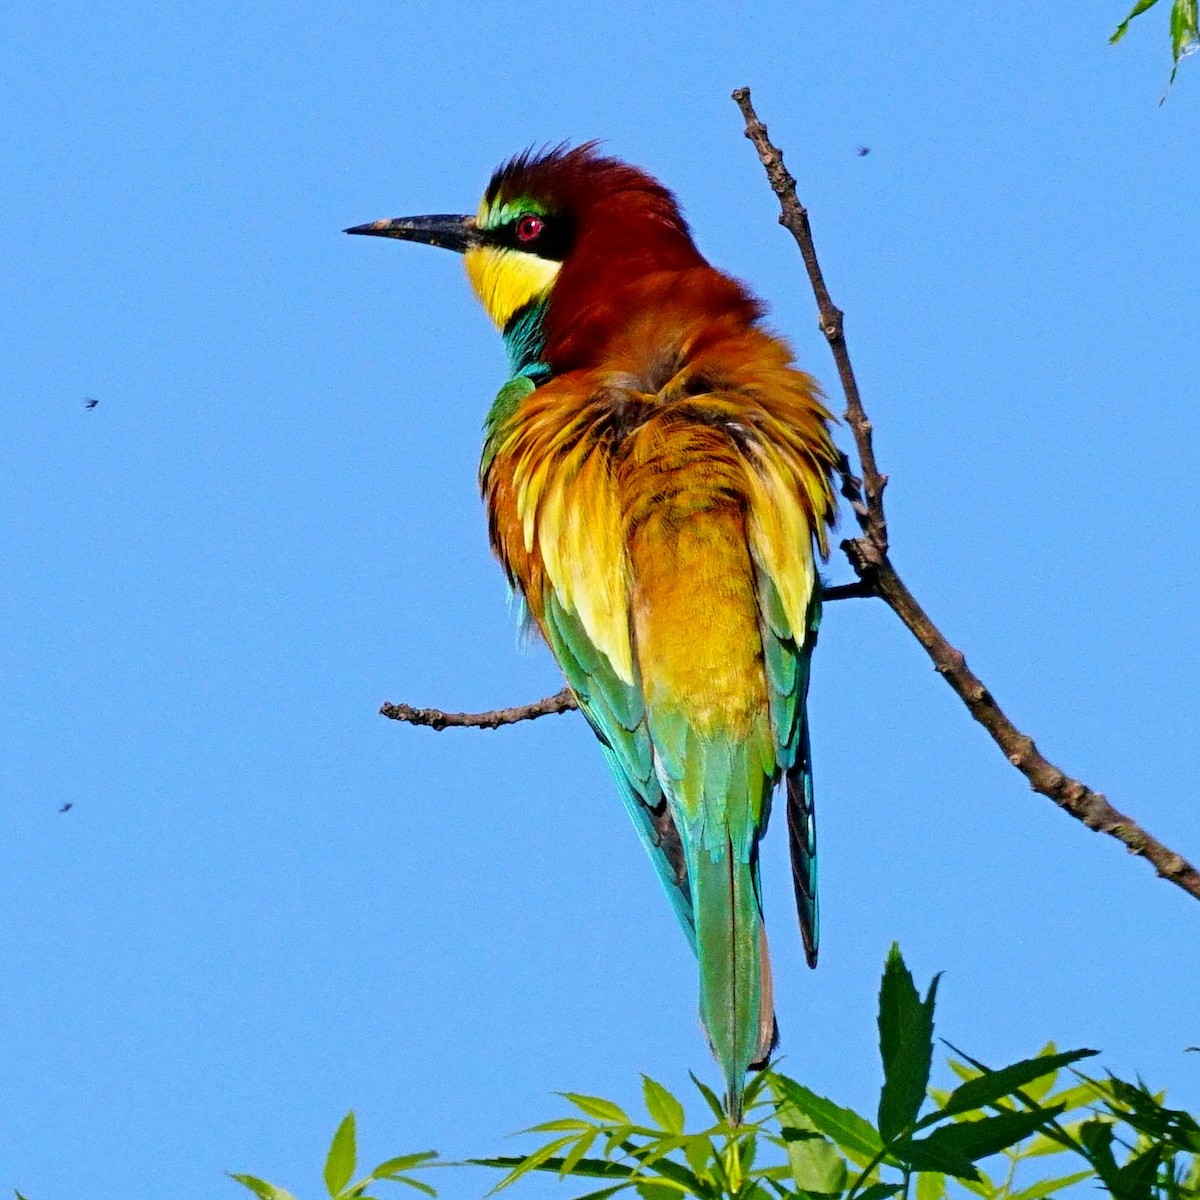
x=89, y=402
x=66, y=807
x=863, y=151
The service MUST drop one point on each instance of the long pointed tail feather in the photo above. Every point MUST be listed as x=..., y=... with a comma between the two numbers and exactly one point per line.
x=735, y=979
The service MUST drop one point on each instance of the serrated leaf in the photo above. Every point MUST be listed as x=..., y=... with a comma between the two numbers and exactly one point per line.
x=879, y=1191
x=967, y=1141
x=1136, y=11
x=1039, y=1089
x=408, y=1181
x=991, y=1086
x=931, y=1185
x=342, y=1156
x=676, y=1173
x=532, y=1162
x=656, y=1189
x=710, y=1097
x=754, y=1086
x=405, y=1162
x=581, y=1147
x=1135, y=1180
x=921, y=1156
x=1096, y=1137
x=961, y=1069
x=848, y=1130
x=1078, y=1096
x=665, y=1111
x=814, y=1163
x=604, y=1193
x=561, y=1125
x=1048, y=1186
x=699, y=1152
x=983, y=1186
x=905, y=1045
x=261, y=1188
x=598, y=1107
x=1044, y=1143
x=593, y=1168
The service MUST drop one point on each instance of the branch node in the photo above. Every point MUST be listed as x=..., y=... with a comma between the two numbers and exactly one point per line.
x=868, y=556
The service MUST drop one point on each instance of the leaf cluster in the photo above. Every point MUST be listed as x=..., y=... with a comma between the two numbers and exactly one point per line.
x=340, y=1163
x=1184, y=24
x=1026, y=1131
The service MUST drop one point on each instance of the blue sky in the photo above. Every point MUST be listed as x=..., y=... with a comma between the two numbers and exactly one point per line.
x=268, y=904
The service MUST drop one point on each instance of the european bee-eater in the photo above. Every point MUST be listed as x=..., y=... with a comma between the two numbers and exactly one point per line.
x=657, y=474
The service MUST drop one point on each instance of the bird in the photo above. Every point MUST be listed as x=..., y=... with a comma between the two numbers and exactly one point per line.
x=657, y=474
x=90, y=402
x=66, y=807
x=863, y=151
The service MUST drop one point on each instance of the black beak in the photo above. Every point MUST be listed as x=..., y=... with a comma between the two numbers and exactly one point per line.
x=452, y=233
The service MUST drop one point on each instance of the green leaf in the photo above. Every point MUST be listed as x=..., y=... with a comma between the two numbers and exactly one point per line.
x=1183, y=27
x=967, y=1141
x=581, y=1147
x=989, y=1087
x=931, y=1185
x=814, y=1163
x=404, y=1163
x=1046, y=1143
x=665, y=1111
x=983, y=1186
x=261, y=1188
x=413, y=1183
x=342, y=1156
x=593, y=1168
x=699, y=1152
x=656, y=1189
x=905, y=1045
x=710, y=1097
x=1136, y=11
x=920, y=1155
x=672, y=1171
x=1076, y=1097
x=1096, y=1137
x=961, y=1069
x=852, y=1133
x=540, y=1159
x=562, y=1125
x=880, y=1191
x=604, y=1193
x=1135, y=1180
x=596, y=1106
x=1048, y=1186
x=1039, y=1089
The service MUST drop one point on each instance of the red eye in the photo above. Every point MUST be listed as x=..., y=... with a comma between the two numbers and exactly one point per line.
x=529, y=228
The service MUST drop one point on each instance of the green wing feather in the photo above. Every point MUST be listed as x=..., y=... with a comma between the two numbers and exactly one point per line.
x=787, y=659
x=617, y=714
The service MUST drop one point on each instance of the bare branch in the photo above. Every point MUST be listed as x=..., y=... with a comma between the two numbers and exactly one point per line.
x=868, y=556
x=434, y=718
x=560, y=702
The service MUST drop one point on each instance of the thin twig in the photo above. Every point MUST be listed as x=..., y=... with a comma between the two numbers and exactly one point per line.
x=435, y=718
x=560, y=702
x=868, y=556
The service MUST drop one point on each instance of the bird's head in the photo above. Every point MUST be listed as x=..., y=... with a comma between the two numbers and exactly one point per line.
x=566, y=222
